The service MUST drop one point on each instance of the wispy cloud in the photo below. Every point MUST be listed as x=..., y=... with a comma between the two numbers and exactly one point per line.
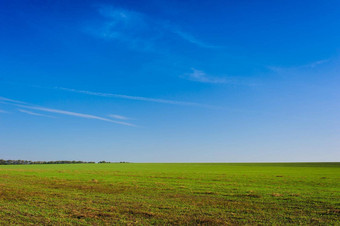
x=57, y=111
x=316, y=63
x=138, y=30
x=11, y=100
x=34, y=113
x=80, y=115
x=2, y=111
x=138, y=98
x=120, y=117
x=193, y=40
x=201, y=76
x=126, y=26
x=304, y=66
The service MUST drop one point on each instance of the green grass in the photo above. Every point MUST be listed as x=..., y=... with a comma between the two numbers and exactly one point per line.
x=188, y=193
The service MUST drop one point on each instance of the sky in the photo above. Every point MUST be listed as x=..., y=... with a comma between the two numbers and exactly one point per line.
x=170, y=80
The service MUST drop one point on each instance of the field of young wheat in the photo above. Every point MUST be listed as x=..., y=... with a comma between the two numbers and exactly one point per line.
x=183, y=193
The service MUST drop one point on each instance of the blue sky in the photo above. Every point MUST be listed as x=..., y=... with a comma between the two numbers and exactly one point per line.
x=170, y=81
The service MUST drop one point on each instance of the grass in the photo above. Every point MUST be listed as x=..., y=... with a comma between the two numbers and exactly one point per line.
x=188, y=193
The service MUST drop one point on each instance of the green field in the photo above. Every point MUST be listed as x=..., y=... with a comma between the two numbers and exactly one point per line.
x=188, y=193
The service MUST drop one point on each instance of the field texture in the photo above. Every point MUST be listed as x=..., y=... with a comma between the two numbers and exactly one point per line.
x=289, y=193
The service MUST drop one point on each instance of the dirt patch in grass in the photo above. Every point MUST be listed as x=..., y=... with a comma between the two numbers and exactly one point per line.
x=276, y=195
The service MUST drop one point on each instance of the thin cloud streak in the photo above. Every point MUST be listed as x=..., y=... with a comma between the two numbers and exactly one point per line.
x=305, y=66
x=316, y=63
x=11, y=100
x=34, y=113
x=139, y=98
x=2, y=111
x=120, y=117
x=194, y=40
x=62, y=112
x=201, y=76
x=80, y=115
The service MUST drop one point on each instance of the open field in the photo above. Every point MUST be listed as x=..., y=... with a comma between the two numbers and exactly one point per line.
x=190, y=193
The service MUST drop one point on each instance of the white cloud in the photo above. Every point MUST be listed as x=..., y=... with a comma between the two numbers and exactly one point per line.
x=134, y=29
x=316, y=63
x=138, y=30
x=305, y=66
x=33, y=113
x=2, y=111
x=11, y=100
x=200, y=76
x=194, y=40
x=57, y=111
x=139, y=98
x=80, y=115
x=120, y=117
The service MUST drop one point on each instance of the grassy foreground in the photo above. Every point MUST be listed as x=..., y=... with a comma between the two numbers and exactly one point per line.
x=192, y=193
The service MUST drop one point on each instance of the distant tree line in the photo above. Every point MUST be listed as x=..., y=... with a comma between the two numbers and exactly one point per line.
x=27, y=162
x=111, y=162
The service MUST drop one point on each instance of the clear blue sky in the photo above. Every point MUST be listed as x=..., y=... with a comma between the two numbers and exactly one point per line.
x=170, y=81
